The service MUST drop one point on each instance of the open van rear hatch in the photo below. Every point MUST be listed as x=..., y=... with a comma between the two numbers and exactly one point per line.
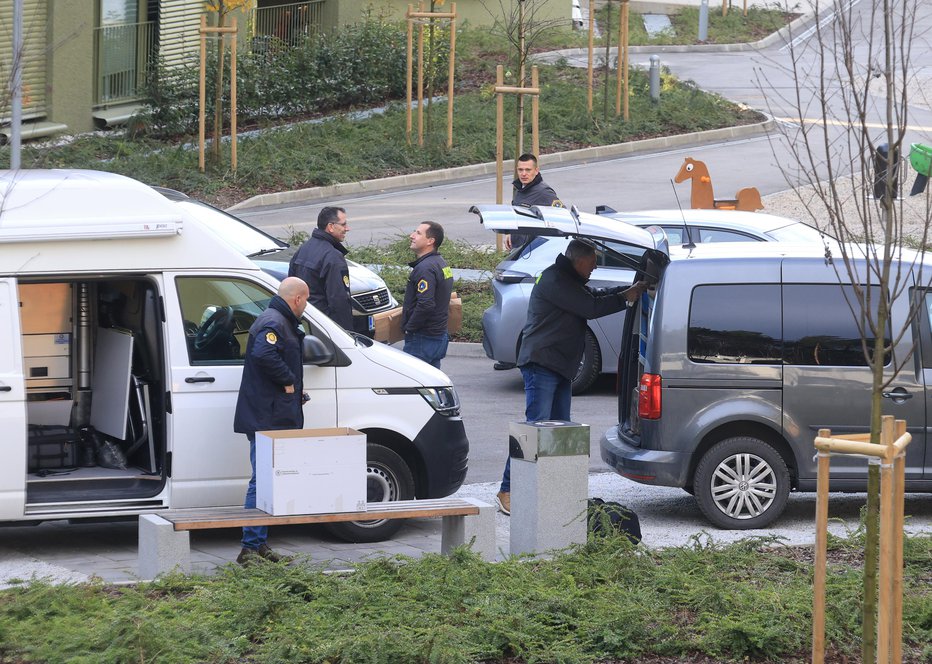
x=563, y=222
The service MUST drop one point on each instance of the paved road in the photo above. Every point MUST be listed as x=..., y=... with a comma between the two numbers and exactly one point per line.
x=760, y=79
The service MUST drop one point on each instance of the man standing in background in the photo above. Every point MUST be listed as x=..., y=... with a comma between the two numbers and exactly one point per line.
x=321, y=264
x=426, y=307
x=530, y=189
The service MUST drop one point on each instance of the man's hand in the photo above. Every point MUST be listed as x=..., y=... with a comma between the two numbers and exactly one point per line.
x=289, y=389
x=635, y=291
x=507, y=242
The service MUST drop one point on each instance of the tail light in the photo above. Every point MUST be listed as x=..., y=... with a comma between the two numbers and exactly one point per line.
x=649, y=397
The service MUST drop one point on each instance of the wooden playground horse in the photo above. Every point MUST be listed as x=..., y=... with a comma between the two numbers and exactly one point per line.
x=702, y=197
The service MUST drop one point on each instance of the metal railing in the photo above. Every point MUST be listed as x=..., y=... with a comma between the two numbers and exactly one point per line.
x=287, y=25
x=124, y=53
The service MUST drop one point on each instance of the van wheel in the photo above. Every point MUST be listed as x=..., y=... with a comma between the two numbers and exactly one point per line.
x=590, y=366
x=742, y=483
x=387, y=478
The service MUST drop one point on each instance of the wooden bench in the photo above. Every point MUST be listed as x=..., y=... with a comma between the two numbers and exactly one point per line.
x=165, y=545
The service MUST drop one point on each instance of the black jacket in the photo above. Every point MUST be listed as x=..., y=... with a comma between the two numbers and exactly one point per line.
x=537, y=192
x=273, y=361
x=561, y=303
x=321, y=263
x=427, y=296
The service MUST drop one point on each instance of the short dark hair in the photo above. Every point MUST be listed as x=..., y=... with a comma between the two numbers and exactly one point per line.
x=579, y=249
x=329, y=215
x=527, y=156
x=434, y=232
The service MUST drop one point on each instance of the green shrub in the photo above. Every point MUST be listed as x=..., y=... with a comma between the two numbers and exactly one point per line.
x=357, y=65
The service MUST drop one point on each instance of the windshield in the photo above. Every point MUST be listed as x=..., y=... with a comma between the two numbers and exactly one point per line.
x=797, y=233
x=246, y=239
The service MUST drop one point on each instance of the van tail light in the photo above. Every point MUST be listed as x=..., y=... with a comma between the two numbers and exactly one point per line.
x=649, y=397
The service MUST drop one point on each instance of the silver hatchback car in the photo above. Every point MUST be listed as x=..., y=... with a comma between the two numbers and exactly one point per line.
x=514, y=277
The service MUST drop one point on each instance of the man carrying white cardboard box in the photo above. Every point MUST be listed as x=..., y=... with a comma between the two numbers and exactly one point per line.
x=271, y=394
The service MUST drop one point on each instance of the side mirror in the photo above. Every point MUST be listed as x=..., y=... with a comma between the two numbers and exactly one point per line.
x=314, y=351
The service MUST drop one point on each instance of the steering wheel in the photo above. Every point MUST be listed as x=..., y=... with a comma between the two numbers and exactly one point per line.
x=218, y=326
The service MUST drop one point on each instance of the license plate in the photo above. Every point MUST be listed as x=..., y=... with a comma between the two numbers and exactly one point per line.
x=371, y=324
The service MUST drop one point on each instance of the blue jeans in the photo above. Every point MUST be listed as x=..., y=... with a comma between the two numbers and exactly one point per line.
x=429, y=349
x=253, y=536
x=547, y=396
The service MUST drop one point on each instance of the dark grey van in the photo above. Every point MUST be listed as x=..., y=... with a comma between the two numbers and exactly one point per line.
x=735, y=361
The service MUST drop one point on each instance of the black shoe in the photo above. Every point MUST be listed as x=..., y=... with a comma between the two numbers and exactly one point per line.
x=501, y=366
x=267, y=553
x=248, y=556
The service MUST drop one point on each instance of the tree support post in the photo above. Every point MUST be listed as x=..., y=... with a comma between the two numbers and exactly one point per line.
x=621, y=91
x=891, y=452
x=223, y=32
x=500, y=91
x=420, y=17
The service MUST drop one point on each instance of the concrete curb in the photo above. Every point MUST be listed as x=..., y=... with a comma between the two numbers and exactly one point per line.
x=463, y=173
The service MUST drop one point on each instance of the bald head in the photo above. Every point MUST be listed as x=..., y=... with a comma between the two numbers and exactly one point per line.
x=294, y=292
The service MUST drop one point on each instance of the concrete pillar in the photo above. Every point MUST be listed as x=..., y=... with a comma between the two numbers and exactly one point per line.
x=161, y=548
x=549, y=486
x=476, y=530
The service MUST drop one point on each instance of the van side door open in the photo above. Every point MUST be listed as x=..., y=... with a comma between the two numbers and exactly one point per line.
x=12, y=406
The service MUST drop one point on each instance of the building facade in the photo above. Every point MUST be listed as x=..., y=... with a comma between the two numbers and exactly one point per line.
x=84, y=62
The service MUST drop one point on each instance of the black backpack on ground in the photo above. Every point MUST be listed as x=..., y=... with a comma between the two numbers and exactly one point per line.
x=611, y=518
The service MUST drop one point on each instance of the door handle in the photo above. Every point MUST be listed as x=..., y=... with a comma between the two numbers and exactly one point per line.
x=200, y=379
x=6, y=388
x=898, y=395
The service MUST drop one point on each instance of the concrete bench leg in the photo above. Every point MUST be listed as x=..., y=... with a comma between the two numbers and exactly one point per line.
x=477, y=529
x=161, y=548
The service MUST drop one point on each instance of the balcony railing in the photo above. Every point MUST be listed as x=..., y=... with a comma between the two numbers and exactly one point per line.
x=287, y=25
x=124, y=53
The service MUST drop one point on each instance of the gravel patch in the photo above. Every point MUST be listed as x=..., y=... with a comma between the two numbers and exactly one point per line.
x=803, y=204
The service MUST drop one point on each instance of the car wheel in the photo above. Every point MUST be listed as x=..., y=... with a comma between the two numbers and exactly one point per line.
x=742, y=483
x=590, y=366
x=387, y=478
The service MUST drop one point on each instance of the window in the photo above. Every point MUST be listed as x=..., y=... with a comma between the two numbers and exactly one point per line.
x=612, y=260
x=217, y=314
x=820, y=328
x=735, y=324
x=707, y=235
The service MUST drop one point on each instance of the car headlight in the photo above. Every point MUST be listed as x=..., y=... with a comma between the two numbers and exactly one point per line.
x=441, y=399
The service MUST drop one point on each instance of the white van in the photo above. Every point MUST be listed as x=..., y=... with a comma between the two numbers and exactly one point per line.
x=123, y=312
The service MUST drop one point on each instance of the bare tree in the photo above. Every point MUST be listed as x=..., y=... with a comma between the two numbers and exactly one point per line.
x=852, y=79
x=522, y=25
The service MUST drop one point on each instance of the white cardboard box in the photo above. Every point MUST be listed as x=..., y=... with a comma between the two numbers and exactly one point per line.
x=310, y=471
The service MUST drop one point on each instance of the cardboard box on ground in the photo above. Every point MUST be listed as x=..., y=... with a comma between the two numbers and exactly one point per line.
x=388, y=323
x=311, y=471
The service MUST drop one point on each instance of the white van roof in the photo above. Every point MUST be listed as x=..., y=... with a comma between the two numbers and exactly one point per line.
x=73, y=221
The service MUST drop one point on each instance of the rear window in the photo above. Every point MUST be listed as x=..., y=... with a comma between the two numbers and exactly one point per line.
x=735, y=324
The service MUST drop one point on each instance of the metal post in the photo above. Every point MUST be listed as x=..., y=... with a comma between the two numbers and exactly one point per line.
x=704, y=21
x=655, y=78
x=16, y=87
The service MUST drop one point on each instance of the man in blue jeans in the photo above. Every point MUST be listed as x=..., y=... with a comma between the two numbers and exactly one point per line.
x=553, y=338
x=426, y=306
x=271, y=393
